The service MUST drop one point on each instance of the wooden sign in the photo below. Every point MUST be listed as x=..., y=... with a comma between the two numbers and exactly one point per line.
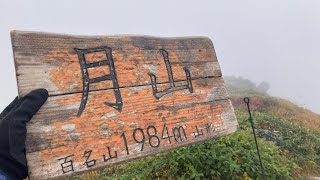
x=117, y=98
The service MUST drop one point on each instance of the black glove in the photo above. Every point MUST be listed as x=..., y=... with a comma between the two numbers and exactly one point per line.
x=13, y=130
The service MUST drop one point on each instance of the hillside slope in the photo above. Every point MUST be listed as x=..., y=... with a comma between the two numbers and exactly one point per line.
x=293, y=128
x=261, y=101
x=284, y=109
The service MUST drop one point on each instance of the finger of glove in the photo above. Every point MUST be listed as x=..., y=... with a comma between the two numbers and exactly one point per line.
x=9, y=107
x=30, y=105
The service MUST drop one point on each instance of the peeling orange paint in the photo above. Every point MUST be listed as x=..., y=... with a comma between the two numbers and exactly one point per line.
x=131, y=67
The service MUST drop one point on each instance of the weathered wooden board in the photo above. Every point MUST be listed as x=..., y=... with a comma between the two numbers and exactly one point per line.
x=117, y=98
x=51, y=61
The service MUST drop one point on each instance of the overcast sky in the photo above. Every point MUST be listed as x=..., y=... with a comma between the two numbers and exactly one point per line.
x=277, y=41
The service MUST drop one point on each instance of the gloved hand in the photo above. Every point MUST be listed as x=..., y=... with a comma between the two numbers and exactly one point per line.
x=13, y=130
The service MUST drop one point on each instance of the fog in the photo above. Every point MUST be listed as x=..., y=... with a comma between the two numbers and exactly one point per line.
x=274, y=41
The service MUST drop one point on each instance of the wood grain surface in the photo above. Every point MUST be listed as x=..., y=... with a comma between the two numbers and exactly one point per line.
x=62, y=142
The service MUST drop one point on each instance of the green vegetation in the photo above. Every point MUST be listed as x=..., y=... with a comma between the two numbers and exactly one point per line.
x=289, y=140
